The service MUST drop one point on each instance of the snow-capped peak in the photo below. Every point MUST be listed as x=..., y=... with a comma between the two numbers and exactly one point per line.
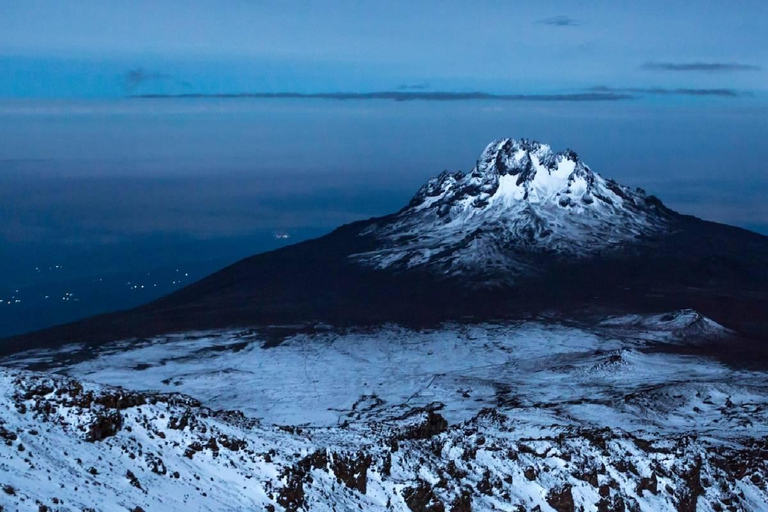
x=511, y=171
x=521, y=197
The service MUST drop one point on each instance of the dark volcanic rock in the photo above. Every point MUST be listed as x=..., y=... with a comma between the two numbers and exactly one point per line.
x=352, y=469
x=421, y=499
x=106, y=424
x=561, y=499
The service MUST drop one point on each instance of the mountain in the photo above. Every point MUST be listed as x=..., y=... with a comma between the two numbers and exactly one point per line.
x=527, y=231
x=527, y=336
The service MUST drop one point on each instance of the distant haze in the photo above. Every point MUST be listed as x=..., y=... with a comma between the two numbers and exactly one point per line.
x=212, y=168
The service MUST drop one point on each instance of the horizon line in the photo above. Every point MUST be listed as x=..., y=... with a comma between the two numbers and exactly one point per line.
x=401, y=96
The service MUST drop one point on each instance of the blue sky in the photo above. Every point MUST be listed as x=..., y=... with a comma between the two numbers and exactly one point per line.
x=90, y=48
x=687, y=115
x=669, y=96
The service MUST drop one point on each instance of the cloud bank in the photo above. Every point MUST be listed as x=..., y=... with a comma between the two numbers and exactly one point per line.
x=134, y=78
x=725, y=67
x=560, y=21
x=679, y=91
x=595, y=95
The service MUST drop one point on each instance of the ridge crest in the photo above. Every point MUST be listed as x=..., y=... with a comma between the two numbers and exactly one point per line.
x=521, y=198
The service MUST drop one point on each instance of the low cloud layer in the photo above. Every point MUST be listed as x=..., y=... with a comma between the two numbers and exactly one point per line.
x=135, y=78
x=560, y=21
x=595, y=95
x=725, y=67
x=679, y=91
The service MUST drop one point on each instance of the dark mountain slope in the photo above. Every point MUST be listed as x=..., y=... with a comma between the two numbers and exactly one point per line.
x=528, y=231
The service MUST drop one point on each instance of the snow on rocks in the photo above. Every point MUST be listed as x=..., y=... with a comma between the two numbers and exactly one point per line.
x=685, y=326
x=512, y=416
x=355, y=375
x=521, y=198
x=169, y=453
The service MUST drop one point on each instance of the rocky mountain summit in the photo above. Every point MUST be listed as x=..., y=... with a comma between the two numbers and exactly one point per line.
x=520, y=199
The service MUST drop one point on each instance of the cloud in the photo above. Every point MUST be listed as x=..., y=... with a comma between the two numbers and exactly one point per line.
x=413, y=87
x=680, y=91
x=595, y=95
x=560, y=21
x=134, y=78
x=725, y=67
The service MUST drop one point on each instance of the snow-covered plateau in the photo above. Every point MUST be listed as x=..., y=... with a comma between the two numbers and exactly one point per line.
x=532, y=415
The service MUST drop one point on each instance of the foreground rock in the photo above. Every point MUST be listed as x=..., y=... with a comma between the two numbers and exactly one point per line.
x=68, y=445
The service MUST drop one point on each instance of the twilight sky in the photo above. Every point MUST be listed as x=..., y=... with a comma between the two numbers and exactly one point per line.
x=655, y=93
x=98, y=186
x=107, y=48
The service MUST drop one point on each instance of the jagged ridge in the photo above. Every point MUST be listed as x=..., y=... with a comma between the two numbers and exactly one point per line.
x=520, y=198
